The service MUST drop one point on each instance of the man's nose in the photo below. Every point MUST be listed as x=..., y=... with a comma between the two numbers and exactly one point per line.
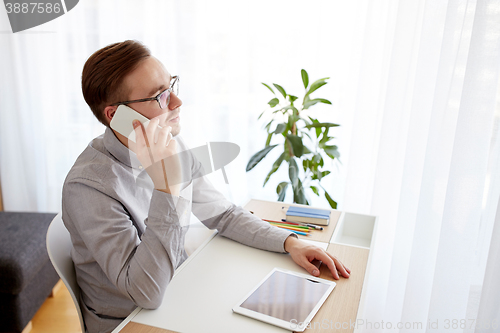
x=175, y=102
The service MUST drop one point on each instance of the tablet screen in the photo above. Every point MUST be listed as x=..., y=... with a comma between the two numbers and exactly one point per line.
x=286, y=296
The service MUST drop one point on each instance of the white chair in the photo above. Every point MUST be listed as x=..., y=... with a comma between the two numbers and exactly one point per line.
x=59, y=248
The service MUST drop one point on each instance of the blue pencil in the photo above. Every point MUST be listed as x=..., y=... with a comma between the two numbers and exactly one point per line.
x=299, y=233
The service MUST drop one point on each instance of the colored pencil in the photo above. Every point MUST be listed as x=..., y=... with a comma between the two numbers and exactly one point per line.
x=301, y=228
x=299, y=233
x=294, y=231
x=289, y=227
x=313, y=226
x=294, y=223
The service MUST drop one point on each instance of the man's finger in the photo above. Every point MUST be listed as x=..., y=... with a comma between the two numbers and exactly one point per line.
x=327, y=260
x=170, y=137
x=139, y=135
x=141, y=141
x=313, y=270
x=172, y=143
x=340, y=267
x=163, y=136
x=151, y=129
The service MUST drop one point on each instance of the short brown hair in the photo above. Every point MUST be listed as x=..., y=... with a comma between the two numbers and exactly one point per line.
x=104, y=71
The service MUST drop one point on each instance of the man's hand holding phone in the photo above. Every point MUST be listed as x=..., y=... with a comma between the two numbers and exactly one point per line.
x=152, y=153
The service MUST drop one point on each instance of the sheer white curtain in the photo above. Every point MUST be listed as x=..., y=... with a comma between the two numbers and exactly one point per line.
x=413, y=84
x=424, y=158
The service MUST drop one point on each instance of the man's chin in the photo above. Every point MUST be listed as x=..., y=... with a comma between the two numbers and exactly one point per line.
x=176, y=130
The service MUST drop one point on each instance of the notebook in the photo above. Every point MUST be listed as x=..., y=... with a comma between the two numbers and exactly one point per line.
x=308, y=215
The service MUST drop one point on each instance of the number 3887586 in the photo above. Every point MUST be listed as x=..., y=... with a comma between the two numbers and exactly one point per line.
x=33, y=7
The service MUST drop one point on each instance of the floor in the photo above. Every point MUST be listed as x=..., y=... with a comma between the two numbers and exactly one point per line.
x=57, y=314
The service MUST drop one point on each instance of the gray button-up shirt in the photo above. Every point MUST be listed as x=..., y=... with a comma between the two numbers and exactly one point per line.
x=128, y=238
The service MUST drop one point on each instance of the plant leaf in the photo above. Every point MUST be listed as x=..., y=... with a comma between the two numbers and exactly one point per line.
x=316, y=85
x=280, y=128
x=261, y=114
x=332, y=151
x=268, y=88
x=307, y=134
x=258, y=156
x=281, y=190
x=332, y=202
x=324, y=140
x=305, y=78
x=296, y=143
x=298, y=194
x=318, y=124
x=280, y=89
x=289, y=125
x=268, y=125
x=315, y=190
x=306, y=150
x=272, y=103
x=325, y=101
x=316, y=174
x=324, y=174
x=293, y=172
x=314, y=122
x=306, y=121
x=292, y=98
x=275, y=167
x=311, y=102
x=268, y=140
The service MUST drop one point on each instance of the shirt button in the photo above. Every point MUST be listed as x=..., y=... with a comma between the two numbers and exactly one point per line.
x=140, y=167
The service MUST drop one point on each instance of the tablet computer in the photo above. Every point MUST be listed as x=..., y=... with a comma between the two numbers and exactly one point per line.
x=286, y=299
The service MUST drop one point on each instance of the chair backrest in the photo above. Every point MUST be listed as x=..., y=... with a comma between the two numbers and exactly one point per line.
x=59, y=248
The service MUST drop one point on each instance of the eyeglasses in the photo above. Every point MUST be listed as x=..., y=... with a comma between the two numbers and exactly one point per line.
x=162, y=98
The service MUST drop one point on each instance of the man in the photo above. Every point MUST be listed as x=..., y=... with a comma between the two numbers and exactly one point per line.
x=124, y=204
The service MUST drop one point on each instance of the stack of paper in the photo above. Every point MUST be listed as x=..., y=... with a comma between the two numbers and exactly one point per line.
x=308, y=215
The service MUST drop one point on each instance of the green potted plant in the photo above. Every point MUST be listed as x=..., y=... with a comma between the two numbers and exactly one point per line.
x=304, y=140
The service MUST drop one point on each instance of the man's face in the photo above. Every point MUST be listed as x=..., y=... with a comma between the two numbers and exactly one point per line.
x=148, y=80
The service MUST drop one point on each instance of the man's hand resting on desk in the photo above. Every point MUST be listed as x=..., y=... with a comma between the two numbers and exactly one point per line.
x=303, y=253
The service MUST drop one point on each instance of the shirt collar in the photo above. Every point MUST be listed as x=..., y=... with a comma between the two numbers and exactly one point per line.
x=119, y=151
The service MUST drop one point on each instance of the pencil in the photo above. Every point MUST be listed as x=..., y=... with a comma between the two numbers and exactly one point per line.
x=313, y=226
x=299, y=233
x=300, y=226
x=294, y=223
x=290, y=228
x=296, y=226
x=294, y=231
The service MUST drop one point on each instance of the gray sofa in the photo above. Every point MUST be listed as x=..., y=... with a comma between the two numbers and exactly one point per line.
x=26, y=273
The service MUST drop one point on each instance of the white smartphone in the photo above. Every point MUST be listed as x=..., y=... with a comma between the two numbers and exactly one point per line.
x=122, y=122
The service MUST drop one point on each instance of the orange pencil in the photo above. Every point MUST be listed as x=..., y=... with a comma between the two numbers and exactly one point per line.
x=294, y=223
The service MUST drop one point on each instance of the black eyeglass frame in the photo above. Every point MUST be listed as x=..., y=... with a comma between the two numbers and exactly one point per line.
x=157, y=97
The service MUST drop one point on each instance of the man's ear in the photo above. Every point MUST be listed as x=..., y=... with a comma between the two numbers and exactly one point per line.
x=109, y=112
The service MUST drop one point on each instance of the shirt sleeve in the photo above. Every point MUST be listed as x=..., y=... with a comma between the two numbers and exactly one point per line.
x=234, y=222
x=140, y=267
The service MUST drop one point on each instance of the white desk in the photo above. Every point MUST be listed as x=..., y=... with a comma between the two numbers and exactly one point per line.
x=221, y=272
